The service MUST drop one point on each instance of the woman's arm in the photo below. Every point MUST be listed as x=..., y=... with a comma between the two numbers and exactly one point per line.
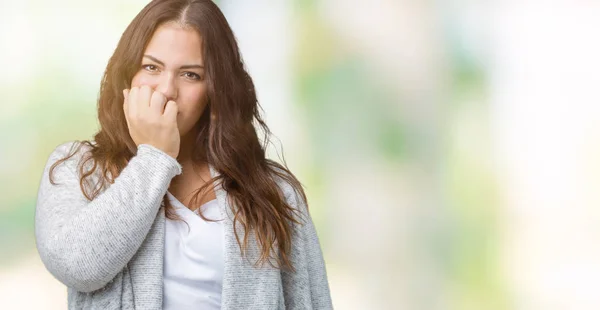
x=85, y=244
x=307, y=288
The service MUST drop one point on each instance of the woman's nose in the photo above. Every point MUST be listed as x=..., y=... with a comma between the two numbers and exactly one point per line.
x=166, y=85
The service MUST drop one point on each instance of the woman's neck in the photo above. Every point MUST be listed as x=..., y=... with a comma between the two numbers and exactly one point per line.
x=186, y=147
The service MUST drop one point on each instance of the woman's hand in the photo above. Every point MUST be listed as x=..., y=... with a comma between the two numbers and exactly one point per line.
x=151, y=119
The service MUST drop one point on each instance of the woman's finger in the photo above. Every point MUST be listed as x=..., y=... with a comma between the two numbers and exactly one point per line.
x=171, y=111
x=157, y=102
x=143, y=100
x=126, y=105
x=132, y=102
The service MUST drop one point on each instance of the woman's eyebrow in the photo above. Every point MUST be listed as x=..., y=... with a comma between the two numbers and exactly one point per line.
x=163, y=64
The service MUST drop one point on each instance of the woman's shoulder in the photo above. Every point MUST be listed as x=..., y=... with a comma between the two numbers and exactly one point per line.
x=69, y=154
x=74, y=149
x=290, y=186
x=73, y=146
x=282, y=179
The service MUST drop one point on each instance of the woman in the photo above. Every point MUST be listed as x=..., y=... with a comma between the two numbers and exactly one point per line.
x=173, y=205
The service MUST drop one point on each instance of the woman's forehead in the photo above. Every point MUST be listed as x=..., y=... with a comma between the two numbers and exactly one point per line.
x=175, y=45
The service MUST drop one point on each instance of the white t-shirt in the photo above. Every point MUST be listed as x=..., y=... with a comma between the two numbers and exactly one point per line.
x=193, y=262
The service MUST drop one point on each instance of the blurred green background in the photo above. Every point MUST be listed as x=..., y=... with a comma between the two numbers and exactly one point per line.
x=448, y=148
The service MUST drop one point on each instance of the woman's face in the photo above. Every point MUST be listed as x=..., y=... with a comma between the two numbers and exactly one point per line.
x=173, y=65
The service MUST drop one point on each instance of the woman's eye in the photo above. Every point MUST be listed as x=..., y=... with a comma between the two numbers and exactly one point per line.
x=149, y=67
x=192, y=75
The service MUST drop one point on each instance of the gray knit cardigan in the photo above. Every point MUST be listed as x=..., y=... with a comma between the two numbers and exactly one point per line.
x=109, y=251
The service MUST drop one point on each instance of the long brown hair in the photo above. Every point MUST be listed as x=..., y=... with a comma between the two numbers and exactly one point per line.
x=228, y=140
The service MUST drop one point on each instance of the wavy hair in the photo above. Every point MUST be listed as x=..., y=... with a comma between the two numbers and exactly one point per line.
x=227, y=138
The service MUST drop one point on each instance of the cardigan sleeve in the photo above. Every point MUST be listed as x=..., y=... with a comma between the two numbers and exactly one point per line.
x=307, y=287
x=85, y=244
